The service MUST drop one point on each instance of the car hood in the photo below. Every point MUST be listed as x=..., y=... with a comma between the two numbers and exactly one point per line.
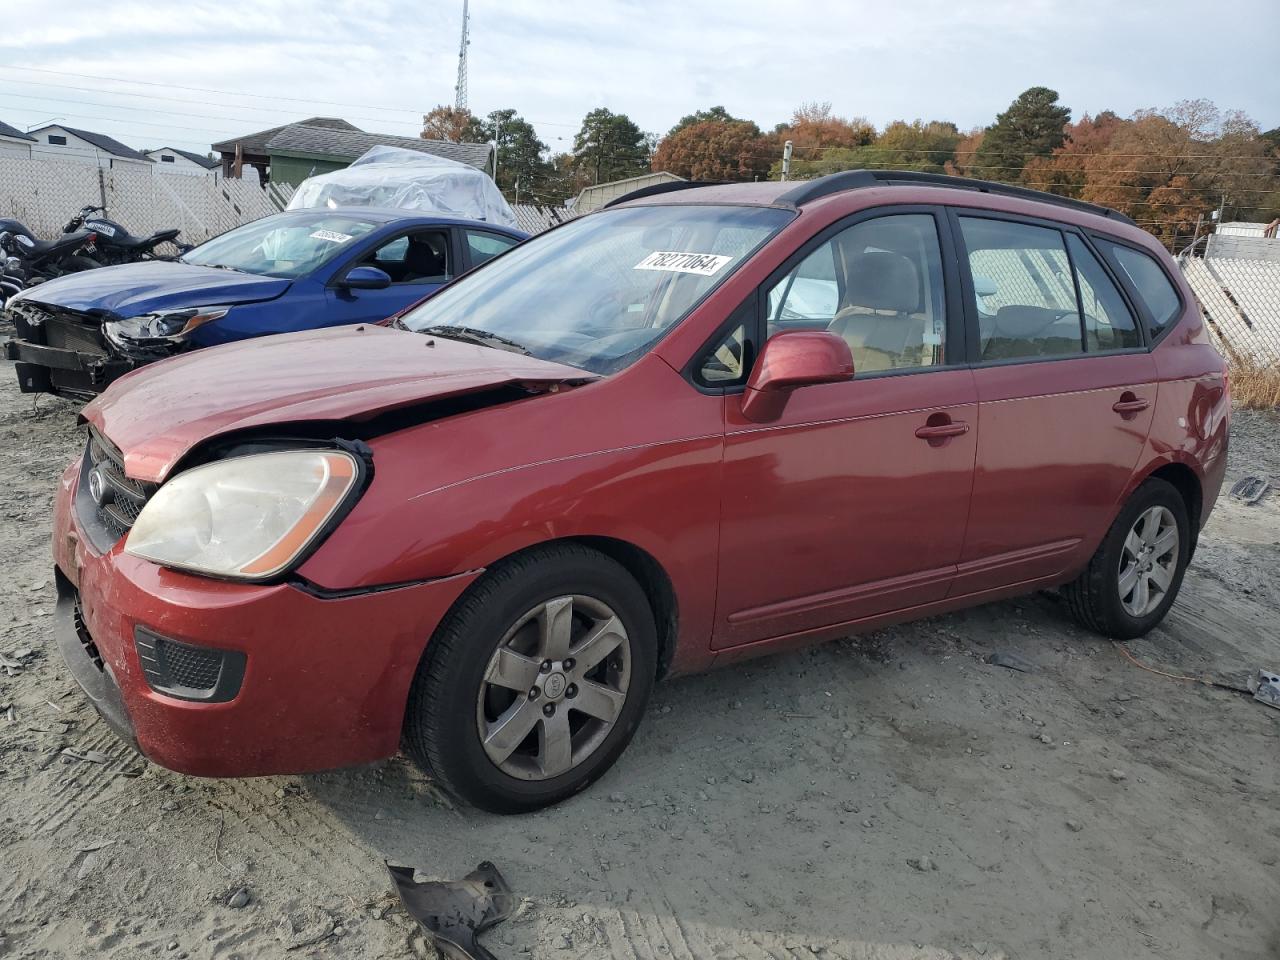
x=157, y=413
x=136, y=288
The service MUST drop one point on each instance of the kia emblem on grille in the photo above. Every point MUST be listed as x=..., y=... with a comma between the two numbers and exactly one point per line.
x=97, y=486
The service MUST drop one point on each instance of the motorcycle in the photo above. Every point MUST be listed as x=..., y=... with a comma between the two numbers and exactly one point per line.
x=10, y=282
x=114, y=244
x=30, y=259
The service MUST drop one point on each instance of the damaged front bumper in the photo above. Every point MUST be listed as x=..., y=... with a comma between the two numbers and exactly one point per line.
x=224, y=679
x=45, y=369
x=63, y=351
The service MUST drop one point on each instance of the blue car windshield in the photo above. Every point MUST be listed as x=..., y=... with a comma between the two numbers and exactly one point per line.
x=286, y=245
x=598, y=292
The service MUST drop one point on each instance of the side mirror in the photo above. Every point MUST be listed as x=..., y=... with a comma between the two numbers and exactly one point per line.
x=797, y=358
x=366, y=278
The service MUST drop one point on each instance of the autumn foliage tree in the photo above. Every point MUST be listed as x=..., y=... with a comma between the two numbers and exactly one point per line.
x=700, y=116
x=450, y=123
x=962, y=164
x=716, y=150
x=814, y=131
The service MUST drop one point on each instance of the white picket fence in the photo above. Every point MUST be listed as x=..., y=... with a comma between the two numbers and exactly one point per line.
x=44, y=194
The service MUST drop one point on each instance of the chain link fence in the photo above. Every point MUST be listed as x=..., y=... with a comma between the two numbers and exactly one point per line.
x=1240, y=299
x=45, y=193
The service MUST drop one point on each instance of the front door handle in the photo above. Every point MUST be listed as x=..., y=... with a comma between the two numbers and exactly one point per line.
x=941, y=431
x=1128, y=405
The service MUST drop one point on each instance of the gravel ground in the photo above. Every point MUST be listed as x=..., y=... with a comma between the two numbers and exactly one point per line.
x=882, y=798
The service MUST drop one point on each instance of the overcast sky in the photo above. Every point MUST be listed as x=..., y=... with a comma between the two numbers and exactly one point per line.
x=382, y=63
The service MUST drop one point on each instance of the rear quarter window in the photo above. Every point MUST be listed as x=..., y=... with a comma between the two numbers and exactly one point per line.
x=1152, y=284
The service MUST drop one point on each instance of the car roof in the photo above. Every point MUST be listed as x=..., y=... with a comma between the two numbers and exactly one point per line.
x=392, y=214
x=882, y=187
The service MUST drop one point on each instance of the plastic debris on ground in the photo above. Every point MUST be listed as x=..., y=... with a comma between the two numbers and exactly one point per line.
x=1266, y=688
x=454, y=913
x=1010, y=661
x=1250, y=489
x=394, y=177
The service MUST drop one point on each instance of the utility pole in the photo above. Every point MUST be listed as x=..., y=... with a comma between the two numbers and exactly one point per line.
x=786, y=160
x=460, y=89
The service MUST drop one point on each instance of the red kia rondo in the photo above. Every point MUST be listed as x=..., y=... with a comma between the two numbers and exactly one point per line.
x=704, y=423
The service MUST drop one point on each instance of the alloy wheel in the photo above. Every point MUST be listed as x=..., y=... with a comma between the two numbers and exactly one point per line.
x=554, y=687
x=1148, y=561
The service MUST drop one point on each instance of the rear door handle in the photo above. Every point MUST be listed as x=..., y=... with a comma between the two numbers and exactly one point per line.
x=1124, y=407
x=942, y=430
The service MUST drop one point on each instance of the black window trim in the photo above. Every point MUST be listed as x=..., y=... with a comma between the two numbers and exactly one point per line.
x=1134, y=294
x=754, y=342
x=972, y=323
x=746, y=314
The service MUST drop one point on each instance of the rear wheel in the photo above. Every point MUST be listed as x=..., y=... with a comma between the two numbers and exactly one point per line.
x=78, y=262
x=1134, y=575
x=534, y=684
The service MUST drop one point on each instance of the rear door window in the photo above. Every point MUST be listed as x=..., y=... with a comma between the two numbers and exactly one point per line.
x=1023, y=290
x=483, y=246
x=1151, y=284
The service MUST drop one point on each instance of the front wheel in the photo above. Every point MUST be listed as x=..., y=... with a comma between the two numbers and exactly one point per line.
x=1134, y=575
x=535, y=682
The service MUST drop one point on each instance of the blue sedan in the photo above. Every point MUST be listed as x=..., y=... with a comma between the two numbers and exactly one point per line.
x=298, y=270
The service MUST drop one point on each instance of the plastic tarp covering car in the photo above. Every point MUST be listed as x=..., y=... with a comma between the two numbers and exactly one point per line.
x=408, y=180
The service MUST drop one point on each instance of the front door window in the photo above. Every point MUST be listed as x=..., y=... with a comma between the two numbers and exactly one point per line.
x=878, y=284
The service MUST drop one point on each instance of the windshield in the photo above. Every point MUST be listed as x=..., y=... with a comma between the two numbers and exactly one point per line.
x=286, y=245
x=597, y=293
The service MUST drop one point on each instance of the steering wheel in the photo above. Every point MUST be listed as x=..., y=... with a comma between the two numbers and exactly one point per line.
x=603, y=314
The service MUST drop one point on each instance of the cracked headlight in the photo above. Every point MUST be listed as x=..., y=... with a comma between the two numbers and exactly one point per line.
x=248, y=517
x=159, y=329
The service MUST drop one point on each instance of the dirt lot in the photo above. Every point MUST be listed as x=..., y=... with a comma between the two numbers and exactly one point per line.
x=888, y=797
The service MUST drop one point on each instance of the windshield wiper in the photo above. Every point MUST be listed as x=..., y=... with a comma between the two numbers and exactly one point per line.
x=475, y=335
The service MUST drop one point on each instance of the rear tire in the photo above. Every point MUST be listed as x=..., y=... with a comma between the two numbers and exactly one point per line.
x=79, y=262
x=1134, y=576
x=514, y=654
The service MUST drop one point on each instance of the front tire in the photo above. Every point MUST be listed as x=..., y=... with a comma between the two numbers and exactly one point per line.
x=1134, y=576
x=535, y=682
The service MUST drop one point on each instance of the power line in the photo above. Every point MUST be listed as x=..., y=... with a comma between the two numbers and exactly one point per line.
x=176, y=86
x=147, y=96
x=413, y=111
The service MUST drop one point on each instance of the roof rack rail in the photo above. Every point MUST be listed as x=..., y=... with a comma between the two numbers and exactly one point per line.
x=853, y=179
x=656, y=188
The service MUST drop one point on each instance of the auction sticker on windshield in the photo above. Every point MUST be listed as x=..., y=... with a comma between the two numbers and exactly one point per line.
x=331, y=235
x=703, y=264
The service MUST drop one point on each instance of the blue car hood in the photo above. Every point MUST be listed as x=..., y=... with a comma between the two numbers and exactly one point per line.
x=135, y=288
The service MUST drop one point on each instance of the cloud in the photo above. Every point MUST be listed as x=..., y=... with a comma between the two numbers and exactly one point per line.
x=382, y=63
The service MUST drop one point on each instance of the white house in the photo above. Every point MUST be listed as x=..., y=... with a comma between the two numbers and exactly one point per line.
x=173, y=160
x=13, y=142
x=67, y=143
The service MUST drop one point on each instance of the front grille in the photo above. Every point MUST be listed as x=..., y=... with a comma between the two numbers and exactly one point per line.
x=56, y=327
x=187, y=671
x=70, y=335
x=117, y=498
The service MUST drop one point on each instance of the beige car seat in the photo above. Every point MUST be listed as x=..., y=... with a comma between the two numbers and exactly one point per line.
x=879, y=314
